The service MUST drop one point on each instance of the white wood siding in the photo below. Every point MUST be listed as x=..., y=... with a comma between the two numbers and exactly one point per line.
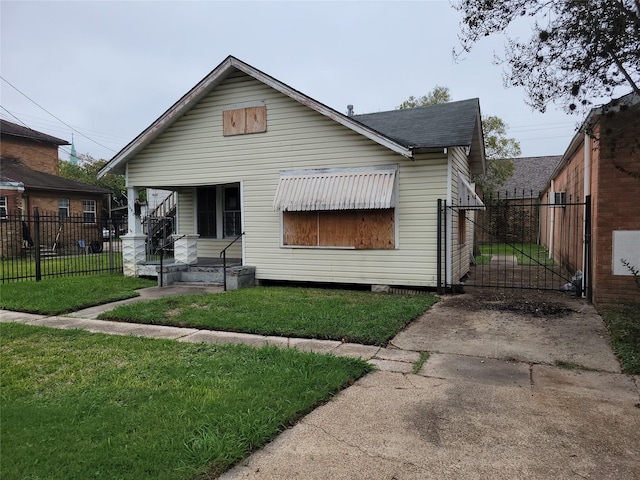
x=460, y=248
x=194, y=152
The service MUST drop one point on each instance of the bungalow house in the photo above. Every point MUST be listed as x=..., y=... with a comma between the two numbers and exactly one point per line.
x=601, y=166
x=311, y=194
x=29, y=168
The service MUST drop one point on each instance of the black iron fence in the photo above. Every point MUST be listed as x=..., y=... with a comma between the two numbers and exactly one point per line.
x=521, y=243
x=48, y=244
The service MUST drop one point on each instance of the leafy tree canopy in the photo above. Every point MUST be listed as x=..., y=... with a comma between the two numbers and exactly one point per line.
x=499, y=149
x=578, y=51
x=86, y=171
x=437, y=95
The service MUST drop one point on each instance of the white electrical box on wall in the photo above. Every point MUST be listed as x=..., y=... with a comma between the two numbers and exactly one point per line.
x=626, y=246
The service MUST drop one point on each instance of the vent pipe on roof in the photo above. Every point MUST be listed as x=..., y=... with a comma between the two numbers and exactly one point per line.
x=350, y=110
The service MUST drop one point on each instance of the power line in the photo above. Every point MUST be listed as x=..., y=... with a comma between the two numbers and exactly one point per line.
x=54, y=125
x=57, y=118
x=16, y=118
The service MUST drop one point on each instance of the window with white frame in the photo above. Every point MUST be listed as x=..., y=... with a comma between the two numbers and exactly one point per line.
x=89, y=211
x=232, y=226
x=63, y=207
x=3, y=207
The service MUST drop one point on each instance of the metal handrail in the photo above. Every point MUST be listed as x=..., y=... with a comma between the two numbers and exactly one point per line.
x=223, y=254
x=161, y=250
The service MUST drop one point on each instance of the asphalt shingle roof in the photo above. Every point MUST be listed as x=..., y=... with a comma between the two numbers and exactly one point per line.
x=15, y=130
x=11, y=170
x=530, y=175
x=438, y=126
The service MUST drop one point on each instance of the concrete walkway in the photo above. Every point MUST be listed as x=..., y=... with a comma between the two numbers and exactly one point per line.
x=489, y=403
x=387, y=359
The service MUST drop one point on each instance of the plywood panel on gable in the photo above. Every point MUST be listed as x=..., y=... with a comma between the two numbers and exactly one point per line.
x=242, y=121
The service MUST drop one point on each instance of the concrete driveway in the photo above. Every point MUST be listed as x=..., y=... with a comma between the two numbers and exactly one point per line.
x=489, y=403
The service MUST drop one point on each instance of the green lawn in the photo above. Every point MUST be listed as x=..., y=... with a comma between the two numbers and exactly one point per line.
x=13, y=268
x=623, y=322
x=354, y=316
x=529, y=254
x=57, y=295
x=77, y=405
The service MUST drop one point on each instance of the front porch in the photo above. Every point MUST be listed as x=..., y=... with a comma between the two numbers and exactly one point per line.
x=186, y=266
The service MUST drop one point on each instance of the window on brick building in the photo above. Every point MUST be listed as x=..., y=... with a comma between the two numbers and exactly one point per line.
x=89, y=211
x=3, y=207
x=63, y=207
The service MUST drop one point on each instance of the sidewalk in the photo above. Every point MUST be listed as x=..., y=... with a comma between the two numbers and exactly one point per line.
x=489, y=403
x=386, y=359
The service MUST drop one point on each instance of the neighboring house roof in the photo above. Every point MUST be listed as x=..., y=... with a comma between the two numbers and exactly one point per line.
x=437, y=126
x=530, y=174
x=15, y=130
x=404, y=145
x=11, y=170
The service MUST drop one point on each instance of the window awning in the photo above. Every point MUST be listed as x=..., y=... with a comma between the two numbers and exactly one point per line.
x=336, y=189
x=468, y=199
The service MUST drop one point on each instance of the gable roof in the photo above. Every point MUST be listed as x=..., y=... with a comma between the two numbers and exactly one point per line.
x=437, y=126
x=530, y=174
x=15, y=130
x=13, y=171
x=396, y=143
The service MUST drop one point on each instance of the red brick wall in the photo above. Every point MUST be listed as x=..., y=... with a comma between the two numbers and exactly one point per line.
x=47, y=202
x=14, y=200
x=615, y=197
x=616, y=203
x=42, y=157
x=567, y=222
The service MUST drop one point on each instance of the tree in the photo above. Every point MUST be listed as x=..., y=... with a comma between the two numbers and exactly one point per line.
x=499, y=153
x=86, y=171
x=437, y=95
x=499, y=150
x=579, y=50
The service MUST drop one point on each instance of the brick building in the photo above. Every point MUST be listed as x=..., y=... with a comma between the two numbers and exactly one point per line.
x=603, y=163
x=29, y=178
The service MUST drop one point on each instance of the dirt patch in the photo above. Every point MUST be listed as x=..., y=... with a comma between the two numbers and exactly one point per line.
x=524, y=325
x=528, y=302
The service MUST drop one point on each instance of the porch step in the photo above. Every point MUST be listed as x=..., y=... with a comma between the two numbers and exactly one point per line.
x=198, y=284
x=202, y=275
x=237, y=276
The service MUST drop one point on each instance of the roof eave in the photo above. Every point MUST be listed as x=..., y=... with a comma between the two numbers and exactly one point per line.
x=116, y=164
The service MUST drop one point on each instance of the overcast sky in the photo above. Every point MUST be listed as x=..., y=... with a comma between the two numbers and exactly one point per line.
x=107, y=70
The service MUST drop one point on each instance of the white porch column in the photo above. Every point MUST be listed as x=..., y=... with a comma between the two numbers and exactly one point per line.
x=185, y=248
x=134, y=221
x=133, y=253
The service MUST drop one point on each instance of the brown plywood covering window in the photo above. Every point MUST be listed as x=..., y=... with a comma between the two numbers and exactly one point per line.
x=242, y=121
x=462, y=227
x=359, y=229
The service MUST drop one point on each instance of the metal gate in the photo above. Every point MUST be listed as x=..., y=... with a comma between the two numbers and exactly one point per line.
x=519, y=244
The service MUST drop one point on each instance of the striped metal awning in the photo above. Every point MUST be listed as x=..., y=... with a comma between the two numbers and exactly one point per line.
x=336, y=189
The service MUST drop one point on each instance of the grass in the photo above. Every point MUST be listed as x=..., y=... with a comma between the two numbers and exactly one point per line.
x=354, y=316
x=623, y=322
x=424, y=356
x=15, y=268
x=529, y=254
x=77, y=405
x=55, y=296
